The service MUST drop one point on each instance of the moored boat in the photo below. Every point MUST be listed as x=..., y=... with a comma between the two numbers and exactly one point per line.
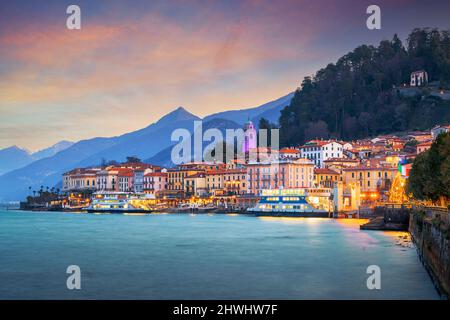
x=116, y=202
x=298, y=202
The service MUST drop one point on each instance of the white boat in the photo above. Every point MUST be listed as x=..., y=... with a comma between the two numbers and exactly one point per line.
x=296, y=202
x=116, y=202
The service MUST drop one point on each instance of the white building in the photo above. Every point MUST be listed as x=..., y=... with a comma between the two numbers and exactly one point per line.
x=419, y=78
x=437, y=130
x=320, y=150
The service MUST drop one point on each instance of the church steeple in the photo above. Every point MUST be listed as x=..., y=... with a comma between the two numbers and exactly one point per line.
x=250, y=137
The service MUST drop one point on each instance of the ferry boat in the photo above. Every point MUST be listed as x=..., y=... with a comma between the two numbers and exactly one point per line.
x=118, y=202
x=296, y=202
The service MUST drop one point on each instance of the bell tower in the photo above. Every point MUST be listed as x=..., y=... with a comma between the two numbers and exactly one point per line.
x=250, y=137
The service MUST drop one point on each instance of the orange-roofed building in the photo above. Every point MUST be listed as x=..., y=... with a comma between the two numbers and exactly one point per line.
x=424, y=146
x=125, y=179
x=155, y=182
x=320, y=150
x=289, y=153
x=373, y=179
x=80, y=179
x=324, y=177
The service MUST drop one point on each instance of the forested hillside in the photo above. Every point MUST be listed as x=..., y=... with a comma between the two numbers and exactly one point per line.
x=362, y=93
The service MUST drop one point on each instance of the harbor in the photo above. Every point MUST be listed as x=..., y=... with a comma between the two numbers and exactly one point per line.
x=206, y=256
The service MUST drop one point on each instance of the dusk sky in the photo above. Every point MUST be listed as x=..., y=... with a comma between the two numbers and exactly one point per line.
x=134, y=61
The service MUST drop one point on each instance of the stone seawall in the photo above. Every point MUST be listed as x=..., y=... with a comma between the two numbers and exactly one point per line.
x=430, y=231
x=395, y=218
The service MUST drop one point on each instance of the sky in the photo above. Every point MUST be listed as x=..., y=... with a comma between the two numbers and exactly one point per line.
x=134, y=61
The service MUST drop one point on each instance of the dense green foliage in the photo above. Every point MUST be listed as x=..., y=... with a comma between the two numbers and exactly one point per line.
x=361, y=94
x=430, y=174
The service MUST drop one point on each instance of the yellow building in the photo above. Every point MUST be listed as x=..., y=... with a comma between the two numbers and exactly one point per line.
x=80, y=179
x=324, y=177
x=374, y=181
x=176, y=176
x=195, y=185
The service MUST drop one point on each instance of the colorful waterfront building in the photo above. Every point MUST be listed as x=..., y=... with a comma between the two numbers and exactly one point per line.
x=282, y=173
x=125, y=180
x=373, y=180
x=195, y=185
x=324, y=177
x=80, y=179
x=155, y=182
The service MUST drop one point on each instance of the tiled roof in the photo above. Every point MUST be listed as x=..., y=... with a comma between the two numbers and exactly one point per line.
x=289, y=150
x=324, y=171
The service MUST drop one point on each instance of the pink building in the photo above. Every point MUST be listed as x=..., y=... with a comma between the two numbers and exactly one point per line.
x=287, y=173
x=154, y=182
x=125, y=180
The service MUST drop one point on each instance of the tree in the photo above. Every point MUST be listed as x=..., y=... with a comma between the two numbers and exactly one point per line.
x=133, y=159
x=365, y=85
x=430, y=174
x=265, y=124
x=317, y=129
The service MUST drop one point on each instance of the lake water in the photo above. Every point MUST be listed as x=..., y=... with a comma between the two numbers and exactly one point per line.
x=171, y=256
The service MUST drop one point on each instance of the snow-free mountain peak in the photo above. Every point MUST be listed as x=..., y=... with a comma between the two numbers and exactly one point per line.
x=179, y=114
x=51, y=151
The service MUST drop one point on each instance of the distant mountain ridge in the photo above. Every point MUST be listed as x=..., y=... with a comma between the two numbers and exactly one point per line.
x=51, y=151
x=269, y=111
x=13, y=158
x=146, y=143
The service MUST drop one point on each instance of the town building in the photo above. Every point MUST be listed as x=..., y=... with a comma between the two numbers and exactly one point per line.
x=423, y=146
x=324, y=177
x=226, y=182
x=374, y=180
x=337, y=164
x=284, y=173
x=195, y=185
x=419, y=78
x=125, y=179
x=289, y=153
x=107, y=179
x=176, y=176
x=80, y=179
x=320, y=150
x=155, y=182
x=437, y=130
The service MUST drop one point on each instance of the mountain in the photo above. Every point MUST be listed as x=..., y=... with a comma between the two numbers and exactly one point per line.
x=13, y=158
x=270, y=111
x=163, y=158
x=51, y=151
x=146, y=142
x=142, y=143
x=361, y=95
x=151, y=142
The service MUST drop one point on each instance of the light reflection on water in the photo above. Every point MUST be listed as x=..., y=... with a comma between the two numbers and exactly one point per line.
x=210, y=256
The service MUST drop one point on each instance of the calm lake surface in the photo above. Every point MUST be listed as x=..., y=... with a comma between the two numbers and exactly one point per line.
x=171, y=256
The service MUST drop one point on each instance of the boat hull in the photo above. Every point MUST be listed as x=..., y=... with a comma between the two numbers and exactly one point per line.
x=118, y=211
x=291, y=214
